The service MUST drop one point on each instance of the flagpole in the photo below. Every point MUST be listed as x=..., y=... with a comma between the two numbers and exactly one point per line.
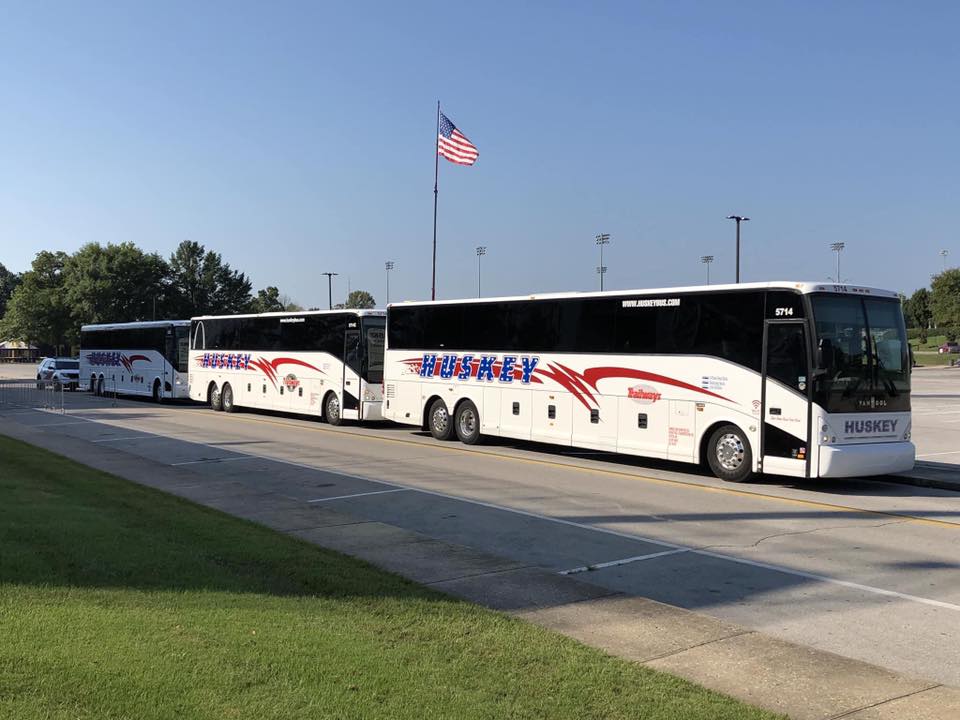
x=436, y=176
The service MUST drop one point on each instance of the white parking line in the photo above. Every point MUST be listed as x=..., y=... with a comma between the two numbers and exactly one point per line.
x=624, y=561
x=356, y=495
x=591, y=528
x=215, y=460
x=130, y=437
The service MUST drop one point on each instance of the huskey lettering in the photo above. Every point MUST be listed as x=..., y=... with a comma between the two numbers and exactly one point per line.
x=487, y=368
x=870, y=427
x=225, y=361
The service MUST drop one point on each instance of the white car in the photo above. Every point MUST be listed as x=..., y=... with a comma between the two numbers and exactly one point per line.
x=59, y=372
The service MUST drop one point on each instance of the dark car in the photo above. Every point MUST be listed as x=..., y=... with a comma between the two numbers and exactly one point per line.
x=949, y=347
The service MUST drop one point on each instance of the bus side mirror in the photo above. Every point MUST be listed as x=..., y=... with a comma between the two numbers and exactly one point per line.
x=825, y=354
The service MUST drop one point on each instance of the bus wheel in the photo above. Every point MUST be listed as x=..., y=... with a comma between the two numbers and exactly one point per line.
x=227, y=399
x=467, y=423
x=331, y=409
x=157, y=398
x=216, y=402
x=729, y=454
x=93, y=384
x=438, y=420
x=100, y=387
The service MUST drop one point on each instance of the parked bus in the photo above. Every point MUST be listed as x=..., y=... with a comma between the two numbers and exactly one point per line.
x=138, y=358
x=321, y=363
x=801, y=379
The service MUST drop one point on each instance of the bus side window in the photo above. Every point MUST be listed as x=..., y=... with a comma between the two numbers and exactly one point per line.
x=352, y=347
x=199, y=338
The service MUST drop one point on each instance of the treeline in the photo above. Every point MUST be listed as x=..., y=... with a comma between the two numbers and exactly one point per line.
x=47, y=304
x=935, y=308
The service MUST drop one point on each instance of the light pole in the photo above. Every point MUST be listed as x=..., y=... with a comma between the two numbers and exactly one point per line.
x=739, y=219
x=838, y=247
x=602, y=239
x=706, y=260
x=481, y=251
x=389, y=264
x=943, y=254
x=330, y=287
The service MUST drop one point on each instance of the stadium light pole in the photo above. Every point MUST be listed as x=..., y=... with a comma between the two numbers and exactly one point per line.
x=330, y=287
x=389, y=264
x=601, y=240
x=706, y=260
x=838, y=247
x=943, y=254
x=739, y=219
x=481, y=251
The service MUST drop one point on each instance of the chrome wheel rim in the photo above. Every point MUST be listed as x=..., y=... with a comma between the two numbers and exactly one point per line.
x=227, y=397
x=468, y=422
x=440, y=418
x=333, y=408
x=215, y=397
x=730, y=451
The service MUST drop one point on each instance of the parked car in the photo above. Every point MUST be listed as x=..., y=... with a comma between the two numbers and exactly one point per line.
x=949, y=347
x=60, y=372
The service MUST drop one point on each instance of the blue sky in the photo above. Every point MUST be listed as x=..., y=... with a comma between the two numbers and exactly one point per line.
x=296, y=138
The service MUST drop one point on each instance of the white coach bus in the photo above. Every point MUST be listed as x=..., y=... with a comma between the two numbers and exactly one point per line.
x=138, y=358
x=321, y=363
x=790, y=378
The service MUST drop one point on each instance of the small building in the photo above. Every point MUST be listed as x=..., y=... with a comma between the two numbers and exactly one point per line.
x=18, y=351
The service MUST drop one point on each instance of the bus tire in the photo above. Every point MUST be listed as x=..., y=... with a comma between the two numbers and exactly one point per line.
x=729, y=455
x=466, y=421
x=226, y=399
x=93, y=384
x=157, y=397
x=331, y=409
x=213, y=396
x=100, y=386
x=439, y=421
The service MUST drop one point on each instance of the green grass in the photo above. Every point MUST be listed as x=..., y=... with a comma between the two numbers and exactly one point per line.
x=117, y=601
x=928, y=358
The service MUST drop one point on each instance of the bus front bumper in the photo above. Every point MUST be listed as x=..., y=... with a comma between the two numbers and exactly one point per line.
x=866, y=459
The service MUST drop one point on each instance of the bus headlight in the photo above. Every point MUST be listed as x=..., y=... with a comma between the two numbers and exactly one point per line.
x=907, y=433
x=368, y=395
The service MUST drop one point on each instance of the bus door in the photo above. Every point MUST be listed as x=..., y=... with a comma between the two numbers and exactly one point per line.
x=352, y=362
x=785, y=405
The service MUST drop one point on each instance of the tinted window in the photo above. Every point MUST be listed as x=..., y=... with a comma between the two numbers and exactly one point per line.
x=726, y=325
x=787, y=355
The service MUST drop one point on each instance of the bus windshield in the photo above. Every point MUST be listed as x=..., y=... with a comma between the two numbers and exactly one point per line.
x=374, y=332
x=863, y=354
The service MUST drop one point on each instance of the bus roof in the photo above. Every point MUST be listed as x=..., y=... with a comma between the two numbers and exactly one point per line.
x=130, y=325
x=803, y=287
x=298, y=313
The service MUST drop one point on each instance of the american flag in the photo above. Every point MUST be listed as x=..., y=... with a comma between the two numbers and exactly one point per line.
x=453, y=144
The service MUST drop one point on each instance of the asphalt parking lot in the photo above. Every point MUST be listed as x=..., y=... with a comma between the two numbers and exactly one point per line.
x=861, y=568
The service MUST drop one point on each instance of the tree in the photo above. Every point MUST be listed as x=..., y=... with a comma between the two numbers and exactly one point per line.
x=267, y=300
x=8, y=282
x=916, y=309
x=945, y=298
x=201, y=283
x=360, y=299
x=116, y=283
x=38, y=311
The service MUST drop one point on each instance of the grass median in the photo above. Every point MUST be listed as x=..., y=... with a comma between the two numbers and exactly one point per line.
x=117, y=601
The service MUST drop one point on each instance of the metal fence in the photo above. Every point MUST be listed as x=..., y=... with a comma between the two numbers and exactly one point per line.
x=31, y=394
